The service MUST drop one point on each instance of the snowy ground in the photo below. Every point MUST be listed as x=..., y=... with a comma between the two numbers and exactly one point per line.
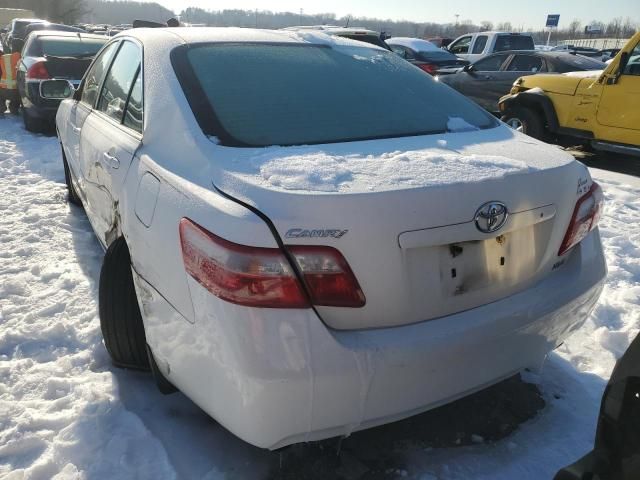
x=66, y=413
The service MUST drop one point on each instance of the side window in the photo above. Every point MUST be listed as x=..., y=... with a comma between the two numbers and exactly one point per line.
x=133, y=113
x=491, y=63
x=119, y=80
x=525, y=63
x=481, y=42
x=93, y=78
x=398, y=50
x=633, y=65
x=461, y=46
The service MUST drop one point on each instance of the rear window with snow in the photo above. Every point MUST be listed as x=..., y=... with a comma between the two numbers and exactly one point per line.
x=294, y=94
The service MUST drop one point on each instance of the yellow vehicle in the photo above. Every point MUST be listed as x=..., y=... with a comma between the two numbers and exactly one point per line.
x=600, y=108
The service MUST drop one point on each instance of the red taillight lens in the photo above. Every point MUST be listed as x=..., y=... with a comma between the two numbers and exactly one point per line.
x=585, y=218
x=328, y=277
x=38, y=71
x=427, y=67
x=263, y=277
x=252, y=276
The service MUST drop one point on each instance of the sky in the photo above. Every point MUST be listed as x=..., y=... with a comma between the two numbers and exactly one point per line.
x=531, y=14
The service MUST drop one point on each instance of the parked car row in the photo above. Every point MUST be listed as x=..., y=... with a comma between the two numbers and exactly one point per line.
x=294, y=304
x=38, y=50
x=486, y=80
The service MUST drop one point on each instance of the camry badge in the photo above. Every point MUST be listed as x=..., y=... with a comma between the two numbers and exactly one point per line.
x=491, y=216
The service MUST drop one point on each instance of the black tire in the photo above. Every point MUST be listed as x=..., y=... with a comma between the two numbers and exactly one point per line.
x=71, y=190
x=33, y=125
x=530, y=121
x=164, y=385
x=120, y=319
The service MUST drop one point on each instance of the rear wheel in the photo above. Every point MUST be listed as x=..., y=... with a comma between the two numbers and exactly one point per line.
x=120, y=319
x=34, y=125
x=527, y=121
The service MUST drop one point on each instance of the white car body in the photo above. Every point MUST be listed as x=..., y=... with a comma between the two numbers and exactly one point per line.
x=474, y=46
x=403, y=218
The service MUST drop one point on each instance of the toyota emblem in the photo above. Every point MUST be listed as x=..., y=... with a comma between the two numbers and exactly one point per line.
x=491, y=216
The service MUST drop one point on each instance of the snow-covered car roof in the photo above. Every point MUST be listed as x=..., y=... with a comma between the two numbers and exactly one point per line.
x=416, y=44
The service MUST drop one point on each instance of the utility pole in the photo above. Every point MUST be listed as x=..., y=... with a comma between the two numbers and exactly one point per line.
x=457, y=15
x=301, y=12
x=256, y=18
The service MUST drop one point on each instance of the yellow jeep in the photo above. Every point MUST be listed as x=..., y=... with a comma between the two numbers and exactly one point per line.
x=600, y=108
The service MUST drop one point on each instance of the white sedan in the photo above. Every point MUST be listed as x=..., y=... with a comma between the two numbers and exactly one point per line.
x=308, y=236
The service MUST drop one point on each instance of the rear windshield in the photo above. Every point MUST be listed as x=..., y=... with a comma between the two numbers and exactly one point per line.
x=69, y=46
x=437, y=56
x=514, y=42
x=570, y=63
x=294, y=94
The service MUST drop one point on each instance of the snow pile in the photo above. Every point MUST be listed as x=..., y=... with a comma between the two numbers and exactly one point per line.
x=317, y=170
x=66, y=413
x=61, y=411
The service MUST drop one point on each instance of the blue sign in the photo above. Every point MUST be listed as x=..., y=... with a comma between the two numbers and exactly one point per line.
x=552, y=20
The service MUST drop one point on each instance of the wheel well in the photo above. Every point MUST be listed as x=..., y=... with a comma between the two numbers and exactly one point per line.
x=539, y=103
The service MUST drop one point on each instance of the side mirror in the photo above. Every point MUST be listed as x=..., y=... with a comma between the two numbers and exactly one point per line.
x=469, y=68
x=56, y=89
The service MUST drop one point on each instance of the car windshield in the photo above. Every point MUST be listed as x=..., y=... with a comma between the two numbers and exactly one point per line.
x=70, y=46
x=293, y=94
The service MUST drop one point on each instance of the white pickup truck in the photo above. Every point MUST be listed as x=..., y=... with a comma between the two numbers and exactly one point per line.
x=473, y=46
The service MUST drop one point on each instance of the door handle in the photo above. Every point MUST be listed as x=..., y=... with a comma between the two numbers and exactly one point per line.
x=110, y=160
x=75, y=129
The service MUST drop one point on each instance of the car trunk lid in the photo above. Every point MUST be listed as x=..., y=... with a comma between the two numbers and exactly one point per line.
x=402, y=212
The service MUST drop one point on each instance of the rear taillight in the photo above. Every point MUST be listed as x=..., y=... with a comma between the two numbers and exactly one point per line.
x=38, y=71
x=585, y=218
x=428, y=67
x=327, y=276
x=263, y=277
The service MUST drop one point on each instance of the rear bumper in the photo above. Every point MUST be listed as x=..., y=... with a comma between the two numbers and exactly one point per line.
x=277, y=377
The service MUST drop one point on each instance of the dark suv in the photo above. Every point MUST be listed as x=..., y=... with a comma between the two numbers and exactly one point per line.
x=14, y=38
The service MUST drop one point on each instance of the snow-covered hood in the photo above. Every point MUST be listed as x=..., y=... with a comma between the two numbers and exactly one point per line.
x=382, y=165
x=584, y=74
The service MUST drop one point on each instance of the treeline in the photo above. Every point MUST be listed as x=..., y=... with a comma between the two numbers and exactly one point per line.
x=125, y=11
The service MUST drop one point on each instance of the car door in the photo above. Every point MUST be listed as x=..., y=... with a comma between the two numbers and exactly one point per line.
x=478, y=83
x=109, y=139
x=518, y=65
x=84, y=101
x=619, y=106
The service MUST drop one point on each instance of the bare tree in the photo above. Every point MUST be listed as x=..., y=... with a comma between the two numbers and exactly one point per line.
x=67, y=11
x=574, y=28
x=486, y=25
x=505, y=27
